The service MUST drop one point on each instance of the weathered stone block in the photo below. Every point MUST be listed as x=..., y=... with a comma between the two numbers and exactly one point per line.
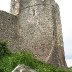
x=23, y=68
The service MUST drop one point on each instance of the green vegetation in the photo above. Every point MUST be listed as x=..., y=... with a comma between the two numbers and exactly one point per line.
x=4, y=51
x=9, y=61
x=70, y=69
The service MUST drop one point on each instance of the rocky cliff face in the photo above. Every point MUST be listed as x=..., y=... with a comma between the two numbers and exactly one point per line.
x=38, y=30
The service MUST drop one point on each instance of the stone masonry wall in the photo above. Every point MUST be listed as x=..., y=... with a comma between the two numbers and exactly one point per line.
x=36, y=27
x=59, y=38
x=8, y=29
x=15, y=7
x=40, y=30
x=57, y=55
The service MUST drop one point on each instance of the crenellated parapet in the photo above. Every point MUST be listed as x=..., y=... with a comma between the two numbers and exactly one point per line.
x=15, y=6
x=18, y=5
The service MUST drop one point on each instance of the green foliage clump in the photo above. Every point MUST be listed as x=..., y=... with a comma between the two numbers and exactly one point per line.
x=4, y=49
x=70, y=69
x=8, y=63
x=10, y=60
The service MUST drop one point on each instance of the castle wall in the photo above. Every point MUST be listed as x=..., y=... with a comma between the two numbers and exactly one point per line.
x=60, y=37
x=57, y=54
x=18, y=5
x=15, y=7
x=36, y=27
x=58, y=26
x=8, y=29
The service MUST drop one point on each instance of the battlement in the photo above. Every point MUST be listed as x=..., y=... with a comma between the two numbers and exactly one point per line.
x=15, y=6
x=18, y=5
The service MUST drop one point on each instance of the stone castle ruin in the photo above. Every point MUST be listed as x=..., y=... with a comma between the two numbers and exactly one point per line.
x=34, y=25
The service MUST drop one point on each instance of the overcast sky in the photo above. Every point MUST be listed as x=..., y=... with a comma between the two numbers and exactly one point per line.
x=66, y=21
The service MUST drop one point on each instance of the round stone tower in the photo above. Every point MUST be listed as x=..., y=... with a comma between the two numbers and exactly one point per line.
x=40, y=30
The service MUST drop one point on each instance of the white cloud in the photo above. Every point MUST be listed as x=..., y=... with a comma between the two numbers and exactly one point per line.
x=5, y=5
x=66, y=16
x=69, y=62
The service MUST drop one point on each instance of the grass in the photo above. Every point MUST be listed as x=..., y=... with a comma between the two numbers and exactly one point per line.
x=9, y=61
x=70, y=69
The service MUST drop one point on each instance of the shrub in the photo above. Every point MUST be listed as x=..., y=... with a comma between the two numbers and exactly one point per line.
x=8, y=63
x=70, y=69
x=10, y=60
x=4, y=49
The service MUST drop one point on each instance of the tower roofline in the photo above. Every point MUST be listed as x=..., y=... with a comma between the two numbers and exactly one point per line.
x=17, y=5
